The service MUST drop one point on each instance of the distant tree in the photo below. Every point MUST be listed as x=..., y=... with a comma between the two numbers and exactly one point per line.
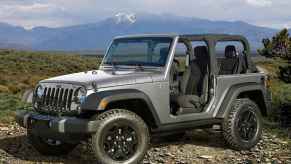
x=289, y=50
x=267, y=50
x=279, y=46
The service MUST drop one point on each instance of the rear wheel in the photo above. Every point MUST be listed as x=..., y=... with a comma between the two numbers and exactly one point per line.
x=242, y=128
x=121, y=137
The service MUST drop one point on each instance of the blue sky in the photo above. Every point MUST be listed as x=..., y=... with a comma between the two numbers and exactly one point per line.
x=57, y=13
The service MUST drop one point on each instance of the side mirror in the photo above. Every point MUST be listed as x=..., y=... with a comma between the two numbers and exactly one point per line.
x=187, y=60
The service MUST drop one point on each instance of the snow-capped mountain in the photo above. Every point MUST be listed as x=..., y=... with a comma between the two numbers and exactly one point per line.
x=97, y=35
x=125, y=18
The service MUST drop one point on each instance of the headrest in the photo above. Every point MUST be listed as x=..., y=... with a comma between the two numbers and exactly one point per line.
x=230, y=51
x=201, y=53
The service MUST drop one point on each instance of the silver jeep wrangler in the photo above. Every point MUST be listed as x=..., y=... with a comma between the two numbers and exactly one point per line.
x=151, y=85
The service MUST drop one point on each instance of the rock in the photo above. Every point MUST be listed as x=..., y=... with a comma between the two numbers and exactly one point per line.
x=283, y=142
x=4, y=128
x=249, y=161
x=169, y=154
x=206, y=157
x=267, y=160
x=276, y=161
x=156, y=149
x=161, y=160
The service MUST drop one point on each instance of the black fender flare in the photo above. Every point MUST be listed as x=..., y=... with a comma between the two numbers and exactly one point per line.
x=94, y=101
x=234, y=92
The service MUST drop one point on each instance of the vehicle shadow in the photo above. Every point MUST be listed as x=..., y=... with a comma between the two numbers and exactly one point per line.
x=17, y=149
x=204, y=138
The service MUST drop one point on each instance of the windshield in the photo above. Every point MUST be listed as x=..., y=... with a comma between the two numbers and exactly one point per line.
x=145, y=51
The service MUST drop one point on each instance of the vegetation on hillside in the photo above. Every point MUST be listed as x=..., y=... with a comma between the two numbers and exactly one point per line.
x=9, y=103
x=21, y=70
x=278, y=48
x=281, y=91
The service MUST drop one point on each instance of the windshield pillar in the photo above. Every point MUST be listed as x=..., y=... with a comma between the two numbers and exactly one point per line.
x=171, y=57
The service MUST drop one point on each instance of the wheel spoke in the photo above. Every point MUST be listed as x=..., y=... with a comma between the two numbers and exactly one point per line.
x=250, y=133
x=245, y=133
x=249, y=116
x=247, y=125
x=120, y=142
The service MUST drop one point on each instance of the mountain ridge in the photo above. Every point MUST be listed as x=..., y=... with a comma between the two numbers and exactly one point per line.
x=92, y=36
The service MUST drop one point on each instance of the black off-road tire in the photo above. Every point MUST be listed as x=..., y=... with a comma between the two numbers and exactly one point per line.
x=118, y=118
x=231, y=132
x=46, y=149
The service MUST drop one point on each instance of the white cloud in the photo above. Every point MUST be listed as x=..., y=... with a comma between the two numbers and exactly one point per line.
x=38, y=8
x=34, y=9
x=32, y=14
x=259, y=3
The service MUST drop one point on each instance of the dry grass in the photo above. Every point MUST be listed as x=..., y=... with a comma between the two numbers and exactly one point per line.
x=21, y=70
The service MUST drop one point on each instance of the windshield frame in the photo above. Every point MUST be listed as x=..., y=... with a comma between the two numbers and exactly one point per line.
x=104, y=65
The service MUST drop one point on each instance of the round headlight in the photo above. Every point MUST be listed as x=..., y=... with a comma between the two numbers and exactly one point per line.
x=40, y=91
x=81, y=95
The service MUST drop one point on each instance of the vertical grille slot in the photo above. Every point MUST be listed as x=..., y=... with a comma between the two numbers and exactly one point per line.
x=44, y=97
x=48, y=97
x=70, y=97
x=65, y=99
x=57, y=99
x=52, y=98
x=61, y=98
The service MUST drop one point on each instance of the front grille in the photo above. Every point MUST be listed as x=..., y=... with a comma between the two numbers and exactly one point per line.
x=57, y=99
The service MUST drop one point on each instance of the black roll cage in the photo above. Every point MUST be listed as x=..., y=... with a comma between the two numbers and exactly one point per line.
x=211, y=41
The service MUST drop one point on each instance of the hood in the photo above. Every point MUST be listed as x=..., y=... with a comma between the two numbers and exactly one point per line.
x=103, y=78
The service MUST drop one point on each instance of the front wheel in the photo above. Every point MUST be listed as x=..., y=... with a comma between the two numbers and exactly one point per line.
x=242, y=127
x=121, y=137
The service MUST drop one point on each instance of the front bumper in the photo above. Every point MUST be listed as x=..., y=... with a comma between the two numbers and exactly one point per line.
x=45, y=125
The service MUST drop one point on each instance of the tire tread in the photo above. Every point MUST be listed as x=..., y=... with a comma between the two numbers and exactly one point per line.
x=229, y=121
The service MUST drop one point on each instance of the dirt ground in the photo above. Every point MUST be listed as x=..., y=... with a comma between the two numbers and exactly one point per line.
x=197, y=146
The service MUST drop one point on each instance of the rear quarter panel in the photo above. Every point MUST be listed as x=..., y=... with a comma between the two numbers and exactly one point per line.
x=228, y=88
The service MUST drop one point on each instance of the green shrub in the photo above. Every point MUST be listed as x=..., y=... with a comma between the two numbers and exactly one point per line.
x=281, y=91
x=9, y=103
